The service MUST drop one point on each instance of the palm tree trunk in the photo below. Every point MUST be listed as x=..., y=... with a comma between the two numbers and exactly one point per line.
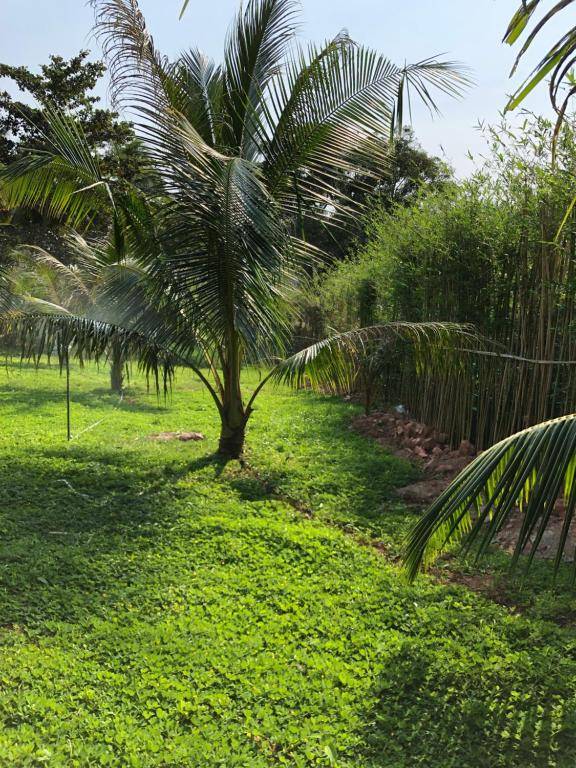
x=116, y=370
x=231, y=444
x=233, y=414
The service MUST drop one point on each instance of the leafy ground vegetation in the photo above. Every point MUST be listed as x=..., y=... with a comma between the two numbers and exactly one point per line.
x=160, y=608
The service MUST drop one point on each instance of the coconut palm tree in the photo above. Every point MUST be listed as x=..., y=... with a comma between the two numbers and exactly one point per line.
x=45, y=283
x=244, y=150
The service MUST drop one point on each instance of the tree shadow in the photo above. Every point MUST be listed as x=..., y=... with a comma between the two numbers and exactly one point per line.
x=322, y=464
x=441, y=707
x=79, y=534
x=75, y=523
x=24, y=400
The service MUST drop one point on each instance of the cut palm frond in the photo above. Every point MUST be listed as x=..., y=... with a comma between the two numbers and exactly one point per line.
x=527, y=472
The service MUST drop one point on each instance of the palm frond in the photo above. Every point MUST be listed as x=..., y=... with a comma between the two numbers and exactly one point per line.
x=528, y=471
x=160, y=94
x=558, y=60
x=86, y=339
x=333, y=114
x=196, y=89
x=257, y=44
x=246, y=228
x=66, y=279
x=64, y=181
x=433, y=76
x=333, y=364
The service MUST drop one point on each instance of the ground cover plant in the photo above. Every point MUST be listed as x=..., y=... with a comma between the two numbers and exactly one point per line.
x=161, y=608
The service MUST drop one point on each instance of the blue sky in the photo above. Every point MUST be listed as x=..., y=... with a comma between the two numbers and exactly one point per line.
x=469, y=31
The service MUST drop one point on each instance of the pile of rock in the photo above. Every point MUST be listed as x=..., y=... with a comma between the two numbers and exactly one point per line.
x=429, y=449
x=421, y=444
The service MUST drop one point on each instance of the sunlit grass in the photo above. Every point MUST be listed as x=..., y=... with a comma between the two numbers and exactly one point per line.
x=158, y=608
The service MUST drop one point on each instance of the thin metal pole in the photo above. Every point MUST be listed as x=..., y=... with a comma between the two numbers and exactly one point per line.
x=68, y=430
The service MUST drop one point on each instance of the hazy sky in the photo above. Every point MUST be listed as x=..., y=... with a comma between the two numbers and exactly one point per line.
x=469, y=31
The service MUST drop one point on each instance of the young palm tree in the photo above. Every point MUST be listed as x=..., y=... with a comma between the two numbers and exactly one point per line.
x=45, y=283
x=244, y=150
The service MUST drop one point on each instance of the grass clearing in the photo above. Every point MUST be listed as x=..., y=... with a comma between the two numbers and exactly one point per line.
x=159, y=609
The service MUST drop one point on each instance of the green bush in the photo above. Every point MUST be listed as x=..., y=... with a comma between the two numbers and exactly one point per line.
x=497, y=250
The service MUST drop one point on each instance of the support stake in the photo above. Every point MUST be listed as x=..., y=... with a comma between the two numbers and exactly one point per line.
x=68, y=430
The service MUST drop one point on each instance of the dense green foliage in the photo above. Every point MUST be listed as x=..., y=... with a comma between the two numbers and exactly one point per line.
x=408, y=170
x=496, y=250
x=68, y=86
x=65, y=85
x=158, y=608
x=435, y=258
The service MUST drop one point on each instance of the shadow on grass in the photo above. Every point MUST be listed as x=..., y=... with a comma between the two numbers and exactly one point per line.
x=77, y=533
x=457, y=713
x=23, y=400
x=75, y=523
x=320, y=463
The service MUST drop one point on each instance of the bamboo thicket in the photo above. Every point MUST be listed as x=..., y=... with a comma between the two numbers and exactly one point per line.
x=498, y=251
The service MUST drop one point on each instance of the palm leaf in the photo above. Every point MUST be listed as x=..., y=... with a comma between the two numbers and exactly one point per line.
x=259, y=40
x=87, y=339
x=558, y=60
x=64, y=181
x=333, y=364
x=196, y=88
x=332, y=114
x=528, y=471
x=40, y=271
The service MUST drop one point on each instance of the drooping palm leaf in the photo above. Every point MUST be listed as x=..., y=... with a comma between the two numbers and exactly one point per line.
x=525, y=473
x=87, y=339
x=557, y=62
x=333, y=364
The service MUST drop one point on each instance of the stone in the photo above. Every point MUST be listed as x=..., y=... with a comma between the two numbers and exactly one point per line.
x=422, y=492
x=466, y=448
x=452, y=465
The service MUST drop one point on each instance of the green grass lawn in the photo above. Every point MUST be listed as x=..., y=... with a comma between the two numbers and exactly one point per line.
x=160, y=609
